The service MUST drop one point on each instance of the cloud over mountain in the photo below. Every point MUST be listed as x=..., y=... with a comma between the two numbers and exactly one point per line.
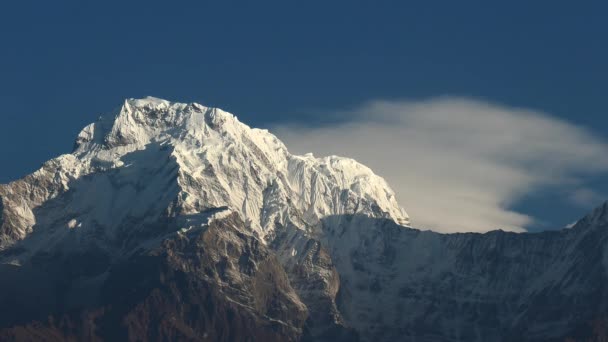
x=459, y=164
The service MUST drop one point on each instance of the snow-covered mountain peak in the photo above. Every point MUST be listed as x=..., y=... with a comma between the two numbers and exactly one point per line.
x=148, y=101
x=164, y=158
x=140, y=121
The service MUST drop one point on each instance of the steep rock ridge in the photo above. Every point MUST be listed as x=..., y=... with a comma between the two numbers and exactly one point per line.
x=597, y=219
x=111, y=208
x=19, y=198
x=315, y=278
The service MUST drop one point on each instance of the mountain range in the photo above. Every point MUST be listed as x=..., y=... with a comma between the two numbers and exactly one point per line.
x=177, y=222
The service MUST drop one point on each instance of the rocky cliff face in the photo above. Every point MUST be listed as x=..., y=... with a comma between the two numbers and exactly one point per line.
x=175, y=221
x=213, y=283
x=399, y=283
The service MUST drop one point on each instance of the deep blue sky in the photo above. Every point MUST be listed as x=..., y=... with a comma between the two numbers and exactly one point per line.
x=63, y=63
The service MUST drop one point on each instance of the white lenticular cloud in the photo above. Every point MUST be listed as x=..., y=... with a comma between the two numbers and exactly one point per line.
x=457, y=164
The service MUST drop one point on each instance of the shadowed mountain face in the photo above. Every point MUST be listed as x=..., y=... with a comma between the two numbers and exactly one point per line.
x=216, y=283
x=417, y=285
x=177, y=222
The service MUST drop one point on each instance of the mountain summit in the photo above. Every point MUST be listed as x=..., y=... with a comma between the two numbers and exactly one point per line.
x=158, y=159
x=174, y=221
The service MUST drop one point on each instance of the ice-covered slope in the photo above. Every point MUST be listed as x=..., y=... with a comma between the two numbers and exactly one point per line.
x=154, y=159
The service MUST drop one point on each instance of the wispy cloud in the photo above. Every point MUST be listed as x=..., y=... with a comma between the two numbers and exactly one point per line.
x=459, y=164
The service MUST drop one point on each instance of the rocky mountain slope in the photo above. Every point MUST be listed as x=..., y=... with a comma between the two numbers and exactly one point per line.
x=175, y=221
